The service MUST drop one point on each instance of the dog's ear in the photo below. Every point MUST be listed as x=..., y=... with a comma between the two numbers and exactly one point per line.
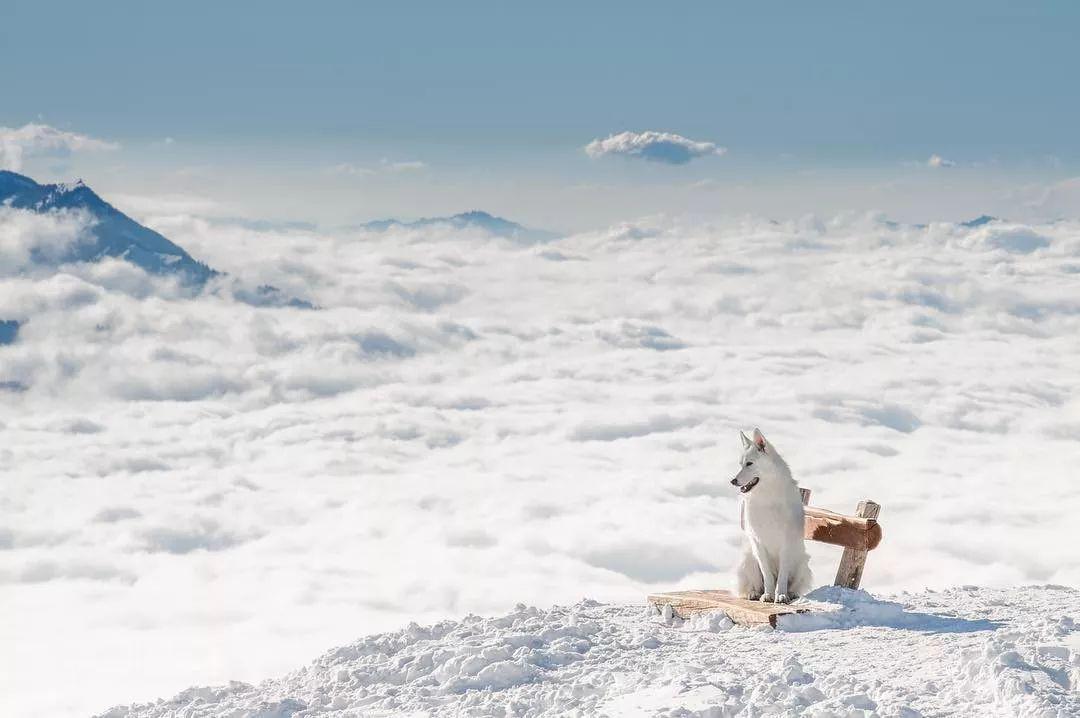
x=745, y=440
x=759, y=439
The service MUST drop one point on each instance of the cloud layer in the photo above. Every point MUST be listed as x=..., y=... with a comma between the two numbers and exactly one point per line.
x=32, y=242
x=20, y=143
x=463, y=402
x=663, y=147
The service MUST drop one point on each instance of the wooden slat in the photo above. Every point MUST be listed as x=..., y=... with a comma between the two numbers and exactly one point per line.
x=850, y=571
x=861, y=533
x=739, y=610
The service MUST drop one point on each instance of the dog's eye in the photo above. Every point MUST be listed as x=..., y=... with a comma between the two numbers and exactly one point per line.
x=749, y=463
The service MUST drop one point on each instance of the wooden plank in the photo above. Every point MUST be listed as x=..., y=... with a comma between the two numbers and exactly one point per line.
x=739, y=610
x=861, y=533
x=850, y=571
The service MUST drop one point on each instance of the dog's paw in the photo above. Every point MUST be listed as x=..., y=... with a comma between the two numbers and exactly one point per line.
x=766, y=598
x=751, y=596
x=783, y=598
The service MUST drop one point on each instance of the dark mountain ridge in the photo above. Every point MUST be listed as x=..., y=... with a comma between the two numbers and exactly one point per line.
x=112, y=233
x=474, y=219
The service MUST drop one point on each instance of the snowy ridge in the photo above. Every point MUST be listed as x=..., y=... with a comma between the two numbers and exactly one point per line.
x=966, y=651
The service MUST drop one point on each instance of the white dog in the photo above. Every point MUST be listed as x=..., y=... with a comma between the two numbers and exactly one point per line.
x=774, y=563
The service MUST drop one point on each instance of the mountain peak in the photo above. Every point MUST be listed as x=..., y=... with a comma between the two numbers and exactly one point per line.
x=71, y=186
x=477, y=215
x=114, y=233
x=472, y=219
x=979, y=221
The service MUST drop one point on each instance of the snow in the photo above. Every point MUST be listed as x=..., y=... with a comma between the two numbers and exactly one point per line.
x=965, y=651
x=199, y=490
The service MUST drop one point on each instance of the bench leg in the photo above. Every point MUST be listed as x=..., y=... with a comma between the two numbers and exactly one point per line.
x=849, y=574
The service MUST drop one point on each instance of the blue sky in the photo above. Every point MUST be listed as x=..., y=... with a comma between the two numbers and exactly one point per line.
x=335, y=111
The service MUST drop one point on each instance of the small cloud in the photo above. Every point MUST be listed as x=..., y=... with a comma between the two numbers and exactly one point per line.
x=410, y=166
x=347, y=168
x=939, y=161
x=170, y=141
x=663, y=147
x=20, y=143
x=384, y=166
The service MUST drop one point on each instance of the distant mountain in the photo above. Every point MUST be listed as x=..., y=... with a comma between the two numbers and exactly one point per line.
x=267, y=295
x=496, y=226
x=971, y=223
x=114, y=233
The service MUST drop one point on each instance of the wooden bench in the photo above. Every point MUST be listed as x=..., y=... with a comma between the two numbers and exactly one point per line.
x=858, y=534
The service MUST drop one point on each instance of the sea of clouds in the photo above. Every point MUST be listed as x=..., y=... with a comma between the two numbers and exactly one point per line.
x=196, y=489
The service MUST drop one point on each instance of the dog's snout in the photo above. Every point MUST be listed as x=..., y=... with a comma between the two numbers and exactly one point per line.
x=734, y=482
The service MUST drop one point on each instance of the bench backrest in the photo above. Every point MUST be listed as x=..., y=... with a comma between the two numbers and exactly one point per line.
x=858, y=534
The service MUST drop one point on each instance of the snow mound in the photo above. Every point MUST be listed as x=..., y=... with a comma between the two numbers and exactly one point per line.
x=837, y=607
x=967, y=651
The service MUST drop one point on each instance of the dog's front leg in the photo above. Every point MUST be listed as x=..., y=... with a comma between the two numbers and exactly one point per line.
x=782, y=576
x=791, y=551
x=768, y=573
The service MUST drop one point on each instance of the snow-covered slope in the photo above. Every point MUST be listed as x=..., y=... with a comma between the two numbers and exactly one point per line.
x=962, y=652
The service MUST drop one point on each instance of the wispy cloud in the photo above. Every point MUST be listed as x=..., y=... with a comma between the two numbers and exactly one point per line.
x=665, y=147
x=384, y=166
x=19, y=143
x=347, y=168
x=403, y=166
x=937, y=160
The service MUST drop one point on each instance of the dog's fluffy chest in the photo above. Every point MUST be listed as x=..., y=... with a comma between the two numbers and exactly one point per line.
x=772, y=520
